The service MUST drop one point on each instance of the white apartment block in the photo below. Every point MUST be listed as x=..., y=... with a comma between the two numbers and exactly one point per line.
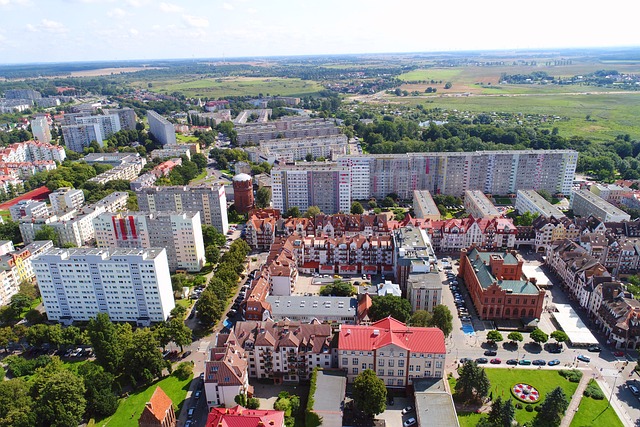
x=478, y=205
x=161, y=128
x=292, y=149
x=397, y=353
x=424, y=207
x=127, y=171
x=179, y=233
x=612, y=193
x=66, y=199
x=77, y=137
x=16, y=267
x=29, y=209
x=493, y=172
x=126, y=116
x=108, y=124
x=531, y=201
x=209, y=200
x=32, y=151
x=175, y=151
x=40, y=129
x=585, y=203
x=131, y=285
x=323, y=184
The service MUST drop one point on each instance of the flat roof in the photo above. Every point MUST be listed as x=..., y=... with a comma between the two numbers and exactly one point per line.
x=482, y=202
x=328, y=397
x=599, y=202
x=536, y=271
x=315, y=306
x=541, y=203
x=425, y=201
x=413, y=243
x=434, y=403
x=574, y=327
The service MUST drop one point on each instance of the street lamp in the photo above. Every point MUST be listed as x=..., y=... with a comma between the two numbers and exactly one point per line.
x=612, y=390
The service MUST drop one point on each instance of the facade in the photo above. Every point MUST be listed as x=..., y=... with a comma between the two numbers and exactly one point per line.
x=612, y=193
x=304, y=309
x=108, y=124
x=158, y=411
x=209, y=200
x=126, y=117
x=492, y=172
x=77, y=137
x=144, y=180
x=285, y=127
x=179, y=233
x=496, y=288
x=396, y=352
x=478, y=205
x=424, y=207
x=243, y=193
x=585, y=203
x=22, y=94
x=161, y=128
x=530, y=201
x=16, y=266
x=66, y=199
x=126, y=171
x=28, y=209
x=225, y=375
x=322, y=184
x=294, y=149
x=131, y=285
x=40, y=129
x=174, y=151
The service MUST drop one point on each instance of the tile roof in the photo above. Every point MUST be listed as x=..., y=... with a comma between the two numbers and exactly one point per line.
x=158, y=406
x=480, y=262
x=242, y=417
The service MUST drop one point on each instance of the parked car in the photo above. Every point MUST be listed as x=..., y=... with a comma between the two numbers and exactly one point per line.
x=512, y=362
x=482, y=360
x=553, y=362
x=524, y=362
x=539, y=362
x=197, y=394
x=634, y=390
x=465, y=319
x=490, y=353
x=390, y=401
x=190, y=412
x=186, y=354
x=584, y=358
x=594, y=348
x=464, y=360
x=495, y=361
x=618, y=353
x=407, y=410
x=410, y=422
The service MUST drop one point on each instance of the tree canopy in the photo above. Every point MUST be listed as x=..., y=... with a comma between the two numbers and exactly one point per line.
x=443, y=319
x=390, y=305
x=552, y=409
x=473, y=382
x=369, y=393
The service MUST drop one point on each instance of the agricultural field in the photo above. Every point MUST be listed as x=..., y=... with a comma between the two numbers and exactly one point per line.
x=235, y=86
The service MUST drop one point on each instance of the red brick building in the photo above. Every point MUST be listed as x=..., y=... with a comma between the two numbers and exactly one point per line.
x=494, y=281
x=158, y=411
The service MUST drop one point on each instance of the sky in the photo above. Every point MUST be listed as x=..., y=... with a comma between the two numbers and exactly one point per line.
x=94, y=30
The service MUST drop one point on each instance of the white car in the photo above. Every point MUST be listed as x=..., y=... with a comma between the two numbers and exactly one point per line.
x=407, y=410
x=410, y=422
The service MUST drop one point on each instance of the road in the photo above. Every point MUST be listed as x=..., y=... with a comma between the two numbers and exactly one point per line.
x=612, y=373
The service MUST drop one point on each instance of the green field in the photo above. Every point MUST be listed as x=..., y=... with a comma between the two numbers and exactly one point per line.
x=431, y=74
x=131, y=407
x=595, y=412
x=503, y=379
x=236, y=86
x=189, y=139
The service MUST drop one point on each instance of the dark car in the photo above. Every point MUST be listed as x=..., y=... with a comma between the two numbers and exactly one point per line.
x=594, y=348
x=464, y=359
x=186, y=354
x=481, y=360
x=554, y=362
x=539, y=362
x=512, y=362
x=390, y=401
x=555, y=349
x=490, y=353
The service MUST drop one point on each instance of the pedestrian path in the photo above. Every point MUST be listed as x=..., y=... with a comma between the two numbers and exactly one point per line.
x=615, y=403
x=575, y=400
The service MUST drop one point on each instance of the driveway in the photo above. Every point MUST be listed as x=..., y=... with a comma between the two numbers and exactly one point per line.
x=393, y=414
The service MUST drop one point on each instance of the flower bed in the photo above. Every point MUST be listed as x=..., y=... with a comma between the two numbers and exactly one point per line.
x=525, y=393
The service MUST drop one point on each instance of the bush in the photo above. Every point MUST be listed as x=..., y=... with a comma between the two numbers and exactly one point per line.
x=1, y=373
x=593, y=391
x=183, y=371
x=528, y=408
x=518, y=405
x=537, y=408
x=20, y=367
x=573, y=375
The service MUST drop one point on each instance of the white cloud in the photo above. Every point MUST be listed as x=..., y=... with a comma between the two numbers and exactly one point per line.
x=31, y=28
x=227, y=6
x=117, y=13
x=13, y=2
x=170, y=8
x=196, y=21
x=137, y=3
x=134, y=32
x=53, y=26
x=252, y=10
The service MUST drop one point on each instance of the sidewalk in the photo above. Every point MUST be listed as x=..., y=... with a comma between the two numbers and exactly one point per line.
x=575, y=400
x=625, y=418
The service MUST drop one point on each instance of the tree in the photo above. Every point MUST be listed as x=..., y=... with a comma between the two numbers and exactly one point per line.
x=390, y=305
x=144, y=359
x=292, y=212
x=502, y=414
x=559, y=336
x=338, y=289
x=104, y=337
x=241, y=399
x=312, y=212
x=442, y=319
x=447, y=85
x=16, y=404
x=420, y=318
x=515, y=337
x=538, y=336
x=552, y=409
x=309, y=157
x=387, y=202
x=369, y=393
x=263, y=197
x=210, y=308
x=494, y=336
x=183, y=371
x=211, y=236
x=356, y=208
x=545, y=195
x=473, y=382
x=179, y=332
x=47, y=232
x=101, y=399
x=10, y=230
x=58, y=397
x=212, y=254
x=253, y=403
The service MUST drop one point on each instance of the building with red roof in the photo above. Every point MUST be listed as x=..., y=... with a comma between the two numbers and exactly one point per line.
x=158, y=411
x=396, y=352
x=243, y=417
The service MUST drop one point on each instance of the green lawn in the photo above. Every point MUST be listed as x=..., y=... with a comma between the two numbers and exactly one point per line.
x=6, y=215
x=186, y=303
x=430, y=74
x=130, y=408
x=503, y=379
x=186, y=138
x=595, y=412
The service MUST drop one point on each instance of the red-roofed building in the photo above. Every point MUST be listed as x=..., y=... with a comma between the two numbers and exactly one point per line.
x=225, y=375
x=158, y=411
x=396, y=352
x=243, y=417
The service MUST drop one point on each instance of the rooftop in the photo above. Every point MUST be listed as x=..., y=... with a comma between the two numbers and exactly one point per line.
x=599, y=202
x=480, y=262
x=434, y=403
x=314, y=306
x=425, y=201
x=481, y=201
x=541, y=203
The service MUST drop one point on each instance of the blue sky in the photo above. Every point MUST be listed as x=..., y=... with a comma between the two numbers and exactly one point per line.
x=83, y=30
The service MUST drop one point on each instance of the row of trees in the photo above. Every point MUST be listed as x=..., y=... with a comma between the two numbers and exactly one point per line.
x=537, y=335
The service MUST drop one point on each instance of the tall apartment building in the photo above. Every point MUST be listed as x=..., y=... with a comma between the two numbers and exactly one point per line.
x=424, y=207
x=286, y=127
x=77, y=137
x=612, y=193
x=209, y=200
x=66, y=199
x=131, y=285
x=109, y=123
x=179, y=233
x=32, y=151
x=16, y=266
x=585, y=203
x=493, y=172
x=28, y=209
x=22, y=94
x=292, y=149
x=323, y=184
x=161, y=128
x=478, y=205
x=530, y=201
x=396, y=352
x=40, y=129
x=126, y=116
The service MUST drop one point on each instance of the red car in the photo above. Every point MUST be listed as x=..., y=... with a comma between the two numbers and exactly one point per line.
x=618, y=353
x=496, y=361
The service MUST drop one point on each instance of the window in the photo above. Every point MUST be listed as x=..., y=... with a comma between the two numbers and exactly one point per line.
x=401, y=363
x=355, y=371
x=380, y=372
x=400, y=372
x=364, y=366
x=380, y=362
x=390, y=372
x=410, y=368
x=418, y=368
x=354, y=361
x=345, y=361
x=391, y=363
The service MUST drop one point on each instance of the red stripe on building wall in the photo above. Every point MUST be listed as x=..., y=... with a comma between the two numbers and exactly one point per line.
x=132, y=225
x=115, y=226
x=123, y=228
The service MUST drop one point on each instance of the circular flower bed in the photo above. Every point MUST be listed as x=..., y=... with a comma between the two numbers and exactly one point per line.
x=525, y=393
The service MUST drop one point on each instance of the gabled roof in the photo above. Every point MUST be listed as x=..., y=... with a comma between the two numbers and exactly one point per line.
x=157, y=407
x=242, y=417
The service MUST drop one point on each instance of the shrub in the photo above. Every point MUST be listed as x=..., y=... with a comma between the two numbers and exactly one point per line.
x=573, y=375
x=537, y=408
x=20, y=367
x=183, y=371
x=529, y=408
x=1, y=373
x=518, y=405
x=593, y=391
